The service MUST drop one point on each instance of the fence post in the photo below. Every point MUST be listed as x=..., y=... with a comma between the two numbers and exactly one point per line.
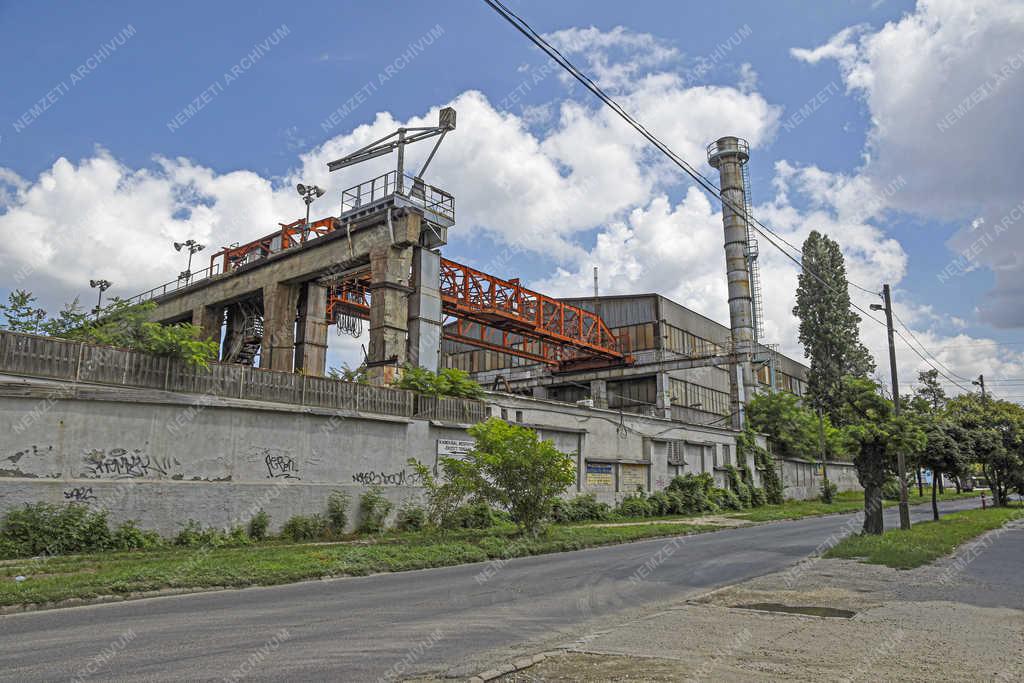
x=302, y=400
x=127, y=362
x=167, y=374
x=78, y=366
x=241, y=379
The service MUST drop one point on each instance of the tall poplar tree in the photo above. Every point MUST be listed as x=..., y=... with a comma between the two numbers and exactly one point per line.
x=828, y=325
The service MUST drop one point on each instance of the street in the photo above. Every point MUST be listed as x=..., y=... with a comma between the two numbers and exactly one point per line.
x=436, y=620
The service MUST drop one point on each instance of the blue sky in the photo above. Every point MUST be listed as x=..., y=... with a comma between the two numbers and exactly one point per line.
x=265, y=128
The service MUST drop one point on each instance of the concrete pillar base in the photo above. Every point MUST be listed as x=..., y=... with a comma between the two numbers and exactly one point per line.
x=389, y=310
x=280, y=303
x=599, y=393
x=425, y=310
x=311, y=332
x=208, y=319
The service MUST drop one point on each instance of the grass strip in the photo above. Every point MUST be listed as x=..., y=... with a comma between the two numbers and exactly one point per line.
x=925, y=541
x=91, y=576
x=848, y=501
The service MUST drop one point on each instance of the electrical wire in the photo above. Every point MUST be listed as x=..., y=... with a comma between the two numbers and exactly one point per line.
x=703, y=181
x=767, y=233
x=914, y=336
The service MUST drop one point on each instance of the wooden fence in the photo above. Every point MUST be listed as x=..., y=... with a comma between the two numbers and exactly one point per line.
x=60, y=359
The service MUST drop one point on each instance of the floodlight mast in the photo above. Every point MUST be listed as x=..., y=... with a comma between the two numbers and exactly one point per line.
x=397, y=141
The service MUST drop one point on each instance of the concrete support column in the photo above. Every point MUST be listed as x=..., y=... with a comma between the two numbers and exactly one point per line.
x=599, y=393
x=280, y=302
x=539, y=392
x=311, y=332
x=208, y=319
x=389, y=311
x=664, y=395
x=425, y=309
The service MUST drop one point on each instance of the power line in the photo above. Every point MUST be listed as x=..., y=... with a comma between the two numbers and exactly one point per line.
x=914, y=336
x=523, y=27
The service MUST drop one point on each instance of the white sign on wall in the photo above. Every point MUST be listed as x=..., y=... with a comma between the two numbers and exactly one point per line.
x=453, y=448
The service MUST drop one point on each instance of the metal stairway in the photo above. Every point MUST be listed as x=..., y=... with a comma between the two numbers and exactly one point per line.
x=249, y=339
x=752, y=266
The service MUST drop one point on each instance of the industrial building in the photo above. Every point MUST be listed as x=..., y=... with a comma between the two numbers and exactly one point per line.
x=673, y=373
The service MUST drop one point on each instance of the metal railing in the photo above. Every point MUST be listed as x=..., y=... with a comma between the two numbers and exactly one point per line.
x=72, y=361
x=175, y=285
x=429, y=198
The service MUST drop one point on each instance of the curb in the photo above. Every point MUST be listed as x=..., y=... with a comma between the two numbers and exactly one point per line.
x=517, y=665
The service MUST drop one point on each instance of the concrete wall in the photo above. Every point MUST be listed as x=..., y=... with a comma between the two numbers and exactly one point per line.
x=802, y=479
x=162, y=458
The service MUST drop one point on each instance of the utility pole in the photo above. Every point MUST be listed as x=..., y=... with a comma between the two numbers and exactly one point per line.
x=901, y=463
x=980, y=382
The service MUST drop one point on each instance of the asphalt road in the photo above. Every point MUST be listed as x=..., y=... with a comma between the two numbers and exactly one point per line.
x=360, y=629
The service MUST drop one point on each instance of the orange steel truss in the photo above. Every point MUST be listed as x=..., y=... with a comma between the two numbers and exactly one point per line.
x=489, y=312
x=526, y=323
x=502, y=315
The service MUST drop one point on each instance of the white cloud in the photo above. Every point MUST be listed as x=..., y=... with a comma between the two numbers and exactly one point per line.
x=613, y=58
x=748, y=78
x=945, y=89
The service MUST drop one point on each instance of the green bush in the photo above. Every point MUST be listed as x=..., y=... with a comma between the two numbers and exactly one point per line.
x=39, y=528
x=442, y=500
x=478, y=515
x=738, y=485
x=130, y=537
x=510, y=468
x=584, y=507
x=693, y=493
x=337, y=513
x=662, y=503
x=726, y=499
x=258, y=526
x=304, y=528
x=193, y=535
x=373, y=511
x=829, y=491
x=411, y=517
x=757, y=497
x=445, y=382
x=634, y=506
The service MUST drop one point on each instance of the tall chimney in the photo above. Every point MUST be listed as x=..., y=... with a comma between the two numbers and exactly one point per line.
x=728, y=155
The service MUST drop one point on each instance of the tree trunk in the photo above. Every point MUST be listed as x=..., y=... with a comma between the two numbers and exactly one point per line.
x=873, y=522
x=935, y=502
x=956, y=482
x=920, y=484
x=938, y=482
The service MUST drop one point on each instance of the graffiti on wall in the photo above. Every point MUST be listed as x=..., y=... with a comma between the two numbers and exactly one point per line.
x=400, y=478
x=79, y=494
x=280, y=465
x=119, y=463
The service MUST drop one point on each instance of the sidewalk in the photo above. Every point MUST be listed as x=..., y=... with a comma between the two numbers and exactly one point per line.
x=960, y=618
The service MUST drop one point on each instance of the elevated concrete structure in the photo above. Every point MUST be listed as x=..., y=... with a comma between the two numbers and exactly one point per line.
x=287, y=288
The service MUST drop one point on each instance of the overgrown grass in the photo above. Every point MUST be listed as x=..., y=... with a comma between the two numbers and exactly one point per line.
x=925, y=541
x=89, y=576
